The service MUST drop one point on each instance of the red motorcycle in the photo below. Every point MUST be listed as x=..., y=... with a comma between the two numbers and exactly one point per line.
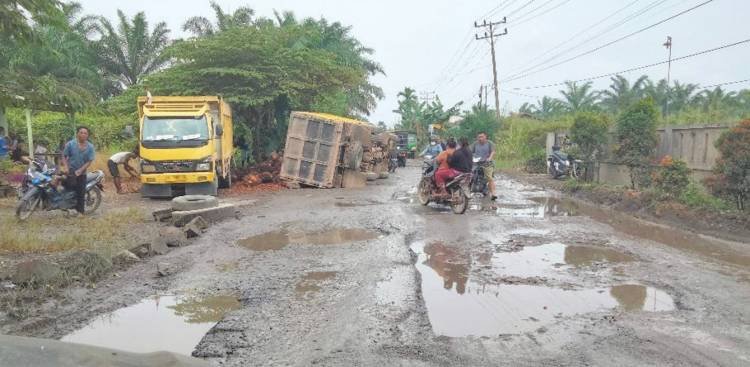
x=458, y=191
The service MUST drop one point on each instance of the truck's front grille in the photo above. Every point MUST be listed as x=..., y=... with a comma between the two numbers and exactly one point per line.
x=167, y=167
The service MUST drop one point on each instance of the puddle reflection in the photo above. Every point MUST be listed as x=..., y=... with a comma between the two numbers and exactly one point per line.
x=458, y=306
x=159, y=323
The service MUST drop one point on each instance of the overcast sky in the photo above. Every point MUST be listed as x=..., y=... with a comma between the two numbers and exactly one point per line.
x=428, y=45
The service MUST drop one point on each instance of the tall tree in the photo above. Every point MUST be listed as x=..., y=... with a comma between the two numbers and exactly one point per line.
x=17, y=17
x=578, y=98
x=201, y=26
x=622, y=94
x=131, y=51
x=715, y=99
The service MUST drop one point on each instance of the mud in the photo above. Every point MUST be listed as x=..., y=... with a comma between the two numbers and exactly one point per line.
x=418, y=286
x=279, y=239
x=158, y=323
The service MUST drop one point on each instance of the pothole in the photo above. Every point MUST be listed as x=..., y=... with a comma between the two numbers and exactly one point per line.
x=540, y=207
x=312, y=281
x=277, y=240
x=459, y=305
x=158, y=323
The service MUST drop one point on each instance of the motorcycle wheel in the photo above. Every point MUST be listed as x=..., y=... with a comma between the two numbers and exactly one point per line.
x=92, y=201
x=423, y=192
x=459, y=202
x=27, y=207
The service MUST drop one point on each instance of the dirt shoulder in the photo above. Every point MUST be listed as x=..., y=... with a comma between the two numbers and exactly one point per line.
x=728, y=225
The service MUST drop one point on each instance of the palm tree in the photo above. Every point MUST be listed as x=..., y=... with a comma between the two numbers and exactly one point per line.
x=621, y=94
x=548, y=107
x=715, y=99
x=659, y=92
x=579, y=97
x=201, y=26
x=681, y=95
x=131, y=52
x=85, y=25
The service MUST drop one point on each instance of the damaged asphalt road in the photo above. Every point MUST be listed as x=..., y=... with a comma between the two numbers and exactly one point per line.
x=370, y=277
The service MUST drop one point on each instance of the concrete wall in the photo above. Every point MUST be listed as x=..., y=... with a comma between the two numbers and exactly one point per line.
x=692, y=144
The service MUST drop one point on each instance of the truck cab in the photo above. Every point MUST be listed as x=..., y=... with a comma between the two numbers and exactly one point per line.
x=185, y=145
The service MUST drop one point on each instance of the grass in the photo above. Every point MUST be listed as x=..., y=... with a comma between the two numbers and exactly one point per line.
x=42, y=233
x=695, y=196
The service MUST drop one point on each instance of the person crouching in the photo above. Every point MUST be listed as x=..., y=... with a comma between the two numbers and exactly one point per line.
x=121, y=158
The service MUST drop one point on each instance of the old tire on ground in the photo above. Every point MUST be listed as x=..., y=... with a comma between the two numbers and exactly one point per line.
x=383, y=175
x=371, y=176
x=194, y=202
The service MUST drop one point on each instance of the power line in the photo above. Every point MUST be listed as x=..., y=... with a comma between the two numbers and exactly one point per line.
x=598, y=34
x=533, y=10
x=726, y=83
x=523, y=21
x=611, y=42
x=585, y=30
x=639, y=67
x=520, y=8
x=491, y=35
x=497, y=9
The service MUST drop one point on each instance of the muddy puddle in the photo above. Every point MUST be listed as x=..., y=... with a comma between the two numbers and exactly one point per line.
x=277, y=240
x=312, y=282
x=158, y=323
x=551, y=259
x=459, y=305
x=538, y=207
x=703, y=245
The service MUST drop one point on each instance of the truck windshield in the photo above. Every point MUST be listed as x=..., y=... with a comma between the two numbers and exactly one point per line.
x=174, y=131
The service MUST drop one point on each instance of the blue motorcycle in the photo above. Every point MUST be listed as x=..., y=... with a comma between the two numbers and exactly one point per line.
x=37, y=192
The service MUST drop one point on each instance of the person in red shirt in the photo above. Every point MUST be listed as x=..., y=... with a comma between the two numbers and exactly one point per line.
x=445, y=172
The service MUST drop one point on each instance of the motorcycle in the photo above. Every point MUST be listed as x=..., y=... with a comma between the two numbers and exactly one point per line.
x=458, y=188
x=560, y=164
x=401, y=157
x=478, y=179
x=392, y=164
x=37, y=192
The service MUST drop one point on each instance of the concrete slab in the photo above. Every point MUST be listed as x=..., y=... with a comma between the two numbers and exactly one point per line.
x=211, y=215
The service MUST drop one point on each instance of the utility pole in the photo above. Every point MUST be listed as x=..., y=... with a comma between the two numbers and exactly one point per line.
x=491, y=35
x=668, y=45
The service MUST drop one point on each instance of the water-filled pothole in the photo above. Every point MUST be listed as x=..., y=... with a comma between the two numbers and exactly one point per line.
x=549, y=259
x=540, y=207
x=277, y=240
x=311, y=282
x=159, y=323
x=457, y=305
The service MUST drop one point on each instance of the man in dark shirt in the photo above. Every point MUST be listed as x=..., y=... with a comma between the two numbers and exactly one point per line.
x=461, y=159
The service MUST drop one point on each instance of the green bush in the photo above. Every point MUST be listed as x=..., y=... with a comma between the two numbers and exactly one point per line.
x=521, y=139
x=696, y=196
x=636, y=139
x=589, y=133
x=732, y=171
x=673, y=177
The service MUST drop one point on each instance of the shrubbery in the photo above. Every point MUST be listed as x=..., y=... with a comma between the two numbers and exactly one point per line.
x=521, y=139
x=636, y=139
x=672, y=178
x=732, y=171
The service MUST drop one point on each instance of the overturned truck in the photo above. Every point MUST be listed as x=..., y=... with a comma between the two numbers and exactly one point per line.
x=325, y=150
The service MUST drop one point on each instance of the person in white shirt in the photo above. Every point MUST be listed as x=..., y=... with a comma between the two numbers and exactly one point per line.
x=121, y=158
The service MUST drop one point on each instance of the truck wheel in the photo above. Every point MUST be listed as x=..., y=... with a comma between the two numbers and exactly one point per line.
x=194, y=202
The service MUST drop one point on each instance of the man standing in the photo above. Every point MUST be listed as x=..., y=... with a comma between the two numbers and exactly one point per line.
x=485, y=150
x=124, y=159
x=3, y=144
x=77, y=157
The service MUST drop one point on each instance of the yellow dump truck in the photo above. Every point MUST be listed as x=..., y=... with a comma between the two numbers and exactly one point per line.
x=185, y=145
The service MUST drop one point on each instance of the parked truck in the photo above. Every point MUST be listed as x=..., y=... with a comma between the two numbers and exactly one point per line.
x=185, y=145
x=324, y=150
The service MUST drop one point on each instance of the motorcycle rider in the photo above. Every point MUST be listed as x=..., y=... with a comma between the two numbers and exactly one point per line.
x=433, y=149
x=445, y=172
x=485, y=150
x=461, y=160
